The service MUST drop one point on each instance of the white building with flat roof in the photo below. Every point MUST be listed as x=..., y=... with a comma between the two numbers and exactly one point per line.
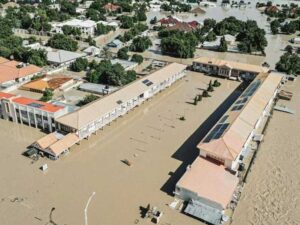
x=29, y=111
x=87, y=27
x=92, y=117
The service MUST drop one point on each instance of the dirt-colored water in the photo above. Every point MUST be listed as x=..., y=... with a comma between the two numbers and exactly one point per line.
x=276, y=43
x=272, y=192
x=159, y=145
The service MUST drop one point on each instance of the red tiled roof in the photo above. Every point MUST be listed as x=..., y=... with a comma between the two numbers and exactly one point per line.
x=193, y=24
x=181, y=26
x=169, y=20
x=42, y=105
x=9, y=70
x=5, y=95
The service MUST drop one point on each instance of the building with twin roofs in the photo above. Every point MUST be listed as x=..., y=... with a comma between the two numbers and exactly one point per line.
x=227, y=69
x=209, y=183
x=94, y=116
x=30, y=111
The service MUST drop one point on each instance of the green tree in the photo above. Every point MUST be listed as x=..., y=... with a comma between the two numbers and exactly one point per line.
x=289, y=49
x=216, y=83
x=195, y=100
x=140, y=44
x=178, y=44
x=95, y=15
x=106, y=73
x=105, y=53
x=223, y=45
x=275, y=25
x=87, y=99
x=126, y=22
x=289, y=63
x=47, y=95
x=123, y=53
x=210, y=87
x=137, y=58
x=68, y=7
x=80, y=64
x=102, y=29
x=36, y=57
x=211, y=36
x=64, y=42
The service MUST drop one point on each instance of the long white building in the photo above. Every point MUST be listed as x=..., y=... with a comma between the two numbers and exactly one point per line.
x=96, y=115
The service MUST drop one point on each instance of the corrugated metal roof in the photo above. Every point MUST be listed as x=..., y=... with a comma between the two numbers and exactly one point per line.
x=204, y=212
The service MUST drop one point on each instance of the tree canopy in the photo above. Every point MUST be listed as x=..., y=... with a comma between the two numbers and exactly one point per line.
x=87, y=99
x=289, y=63
x=137, y=58
x=106, y=73
x=178, y=44
x=123, y=53
x=223, y=45
x=140, y=44
x=64, y=42
x=80, y=64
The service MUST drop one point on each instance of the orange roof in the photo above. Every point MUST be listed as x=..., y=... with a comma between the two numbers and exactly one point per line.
x=40, y=85
x=9, y=70
x=6, y=95
x=231, y=143
x=37, y=104
x=43, y=84
x=47, y=140
x=63, y=144
x=210, y=181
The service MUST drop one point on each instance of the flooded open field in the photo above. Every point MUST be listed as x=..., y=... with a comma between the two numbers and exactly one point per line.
x=158, y=144
x=276, y=43
x=271, y=194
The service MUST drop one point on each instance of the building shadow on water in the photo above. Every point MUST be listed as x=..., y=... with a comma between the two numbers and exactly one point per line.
x=188, y=151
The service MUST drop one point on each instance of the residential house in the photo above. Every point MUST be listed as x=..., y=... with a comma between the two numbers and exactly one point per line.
x=14, y=73
x=63, y=57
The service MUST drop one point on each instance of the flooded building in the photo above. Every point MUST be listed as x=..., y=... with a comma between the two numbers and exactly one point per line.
x=228, y=142
x=55, y=144
x=227, y=69
x=209, y=183
x=92, y=117
x=29, y=111
x=208, y=188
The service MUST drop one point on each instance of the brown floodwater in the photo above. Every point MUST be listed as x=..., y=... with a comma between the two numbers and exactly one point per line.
x=276, y=43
